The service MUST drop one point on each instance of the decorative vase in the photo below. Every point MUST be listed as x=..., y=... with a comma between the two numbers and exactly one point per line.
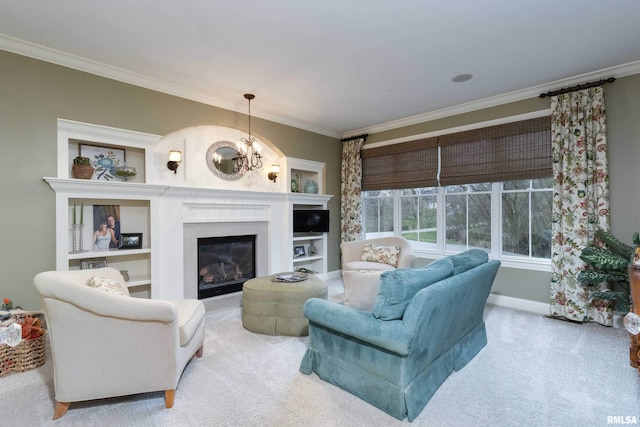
x=125, y=172
x=77, y=239
x=82, y=168
x=299, y=182
x=311, y=187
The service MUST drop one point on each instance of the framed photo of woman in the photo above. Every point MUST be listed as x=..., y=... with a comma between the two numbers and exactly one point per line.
x=106, y=227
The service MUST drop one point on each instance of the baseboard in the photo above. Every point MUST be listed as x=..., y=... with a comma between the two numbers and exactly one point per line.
x=223, y=302
x=518, y=303
x=536, y=307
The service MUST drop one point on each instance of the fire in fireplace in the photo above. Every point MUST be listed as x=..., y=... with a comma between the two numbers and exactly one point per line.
x=224, y=264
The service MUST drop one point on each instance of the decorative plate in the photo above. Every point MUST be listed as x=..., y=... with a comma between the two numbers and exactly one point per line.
x=289, y=277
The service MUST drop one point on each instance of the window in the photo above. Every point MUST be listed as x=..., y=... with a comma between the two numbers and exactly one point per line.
x=526, y=218
x=507, y=219
x=488, y=188
x=418, y=215
x=378, y=216
x=467, y=217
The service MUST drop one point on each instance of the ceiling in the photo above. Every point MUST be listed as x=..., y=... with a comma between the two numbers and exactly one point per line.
x=334, y=67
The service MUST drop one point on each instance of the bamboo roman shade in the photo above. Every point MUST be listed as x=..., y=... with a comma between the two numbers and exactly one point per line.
x=519, y=150
x=411, y=164
x=512, y=151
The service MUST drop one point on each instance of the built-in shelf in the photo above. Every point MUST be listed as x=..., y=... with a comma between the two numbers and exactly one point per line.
x=108, y=254
x=159, y=204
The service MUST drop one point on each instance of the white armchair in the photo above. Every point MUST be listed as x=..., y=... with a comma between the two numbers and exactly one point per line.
x=104, y=344
x=352, y=254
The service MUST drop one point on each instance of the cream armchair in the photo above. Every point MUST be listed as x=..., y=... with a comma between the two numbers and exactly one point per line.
x=106, y=344
x=352, y=254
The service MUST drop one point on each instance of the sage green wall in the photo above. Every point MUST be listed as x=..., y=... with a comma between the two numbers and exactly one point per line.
x=622, y=101
x=34, y=94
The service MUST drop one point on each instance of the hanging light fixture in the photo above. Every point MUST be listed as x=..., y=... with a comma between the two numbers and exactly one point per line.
x=248, y=158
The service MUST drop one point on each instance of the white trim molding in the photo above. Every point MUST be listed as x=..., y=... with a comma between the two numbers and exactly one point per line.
x=519, y=95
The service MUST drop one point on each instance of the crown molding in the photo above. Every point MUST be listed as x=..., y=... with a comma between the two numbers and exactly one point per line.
x=64, y=59
x=519, y=95
x=54, y=56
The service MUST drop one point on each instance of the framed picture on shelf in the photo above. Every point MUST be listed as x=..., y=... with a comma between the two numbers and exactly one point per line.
x=130, y=240
x=87, y=264
x=298, y=251
x=103, y=160
x=106, y=227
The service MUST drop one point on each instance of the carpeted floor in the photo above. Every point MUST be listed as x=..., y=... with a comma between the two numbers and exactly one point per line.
x=535, y=371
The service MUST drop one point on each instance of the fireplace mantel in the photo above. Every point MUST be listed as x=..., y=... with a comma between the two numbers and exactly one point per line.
x=169, y=210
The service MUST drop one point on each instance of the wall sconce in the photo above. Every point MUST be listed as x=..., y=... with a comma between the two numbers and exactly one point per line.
x=175, y=158
x=273, y=175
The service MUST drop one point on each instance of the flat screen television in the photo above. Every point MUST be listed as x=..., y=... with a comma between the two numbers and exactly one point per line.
x=310, y=221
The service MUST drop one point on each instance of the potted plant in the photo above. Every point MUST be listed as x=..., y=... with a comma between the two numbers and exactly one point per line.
x=82, y=168
x=608, y=260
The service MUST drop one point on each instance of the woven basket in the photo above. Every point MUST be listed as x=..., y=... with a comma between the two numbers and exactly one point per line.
x=29, y=354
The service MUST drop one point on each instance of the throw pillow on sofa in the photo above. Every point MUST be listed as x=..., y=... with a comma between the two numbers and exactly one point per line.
x=398, y=287
x=468, y=259
x=108, y=285
x=382, y=254
x=361, y=288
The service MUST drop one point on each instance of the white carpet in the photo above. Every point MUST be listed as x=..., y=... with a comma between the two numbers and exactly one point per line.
x=524, y=377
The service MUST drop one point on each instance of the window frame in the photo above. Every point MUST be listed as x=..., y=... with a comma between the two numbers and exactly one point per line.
x=529, y=263
x=439, y=249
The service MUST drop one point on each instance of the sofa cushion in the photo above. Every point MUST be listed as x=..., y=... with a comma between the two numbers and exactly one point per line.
x=361, y=288
x=398, y=287
x=467, y=260
x=383, y=254
x=190, y=315
x=108, y=285
x=365, y=265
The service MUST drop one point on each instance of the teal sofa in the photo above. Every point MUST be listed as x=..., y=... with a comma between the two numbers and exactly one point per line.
x=425, y=324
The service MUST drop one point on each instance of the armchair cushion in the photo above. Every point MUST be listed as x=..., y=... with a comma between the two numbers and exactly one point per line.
x=381, y=254
x=467, y=260
x=361, y=288
x=366, y=265
x=190, y=315
x=398, y=287
x=108, y=285
x=351, y=254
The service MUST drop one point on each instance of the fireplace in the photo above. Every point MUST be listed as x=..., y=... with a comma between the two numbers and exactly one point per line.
x=224, y=264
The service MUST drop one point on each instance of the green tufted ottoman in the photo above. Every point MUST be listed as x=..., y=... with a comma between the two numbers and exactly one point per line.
x=275, y=308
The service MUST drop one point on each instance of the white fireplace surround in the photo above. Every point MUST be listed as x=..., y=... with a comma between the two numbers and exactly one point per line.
x=222, y=229
x=213, y=221
x=189, y=204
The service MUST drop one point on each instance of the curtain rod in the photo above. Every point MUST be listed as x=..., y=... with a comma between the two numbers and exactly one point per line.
x=578, y=87
x=351, y=138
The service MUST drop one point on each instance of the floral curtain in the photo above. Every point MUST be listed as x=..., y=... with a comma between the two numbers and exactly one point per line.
x=351, y=208
x=580, y=200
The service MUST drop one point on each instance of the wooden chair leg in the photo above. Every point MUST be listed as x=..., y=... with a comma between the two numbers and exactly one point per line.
x=199, y=352
x=60, y=409
x=169, y=395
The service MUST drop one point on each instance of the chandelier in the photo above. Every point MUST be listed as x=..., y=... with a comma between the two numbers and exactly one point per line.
x=248, y=158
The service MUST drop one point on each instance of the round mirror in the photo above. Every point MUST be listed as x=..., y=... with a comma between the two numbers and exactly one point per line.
x=220, y=159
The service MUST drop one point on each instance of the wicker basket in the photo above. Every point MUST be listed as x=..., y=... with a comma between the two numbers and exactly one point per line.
x=28, y=354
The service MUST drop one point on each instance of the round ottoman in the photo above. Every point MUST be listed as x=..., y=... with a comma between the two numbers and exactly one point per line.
x=275, y=308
